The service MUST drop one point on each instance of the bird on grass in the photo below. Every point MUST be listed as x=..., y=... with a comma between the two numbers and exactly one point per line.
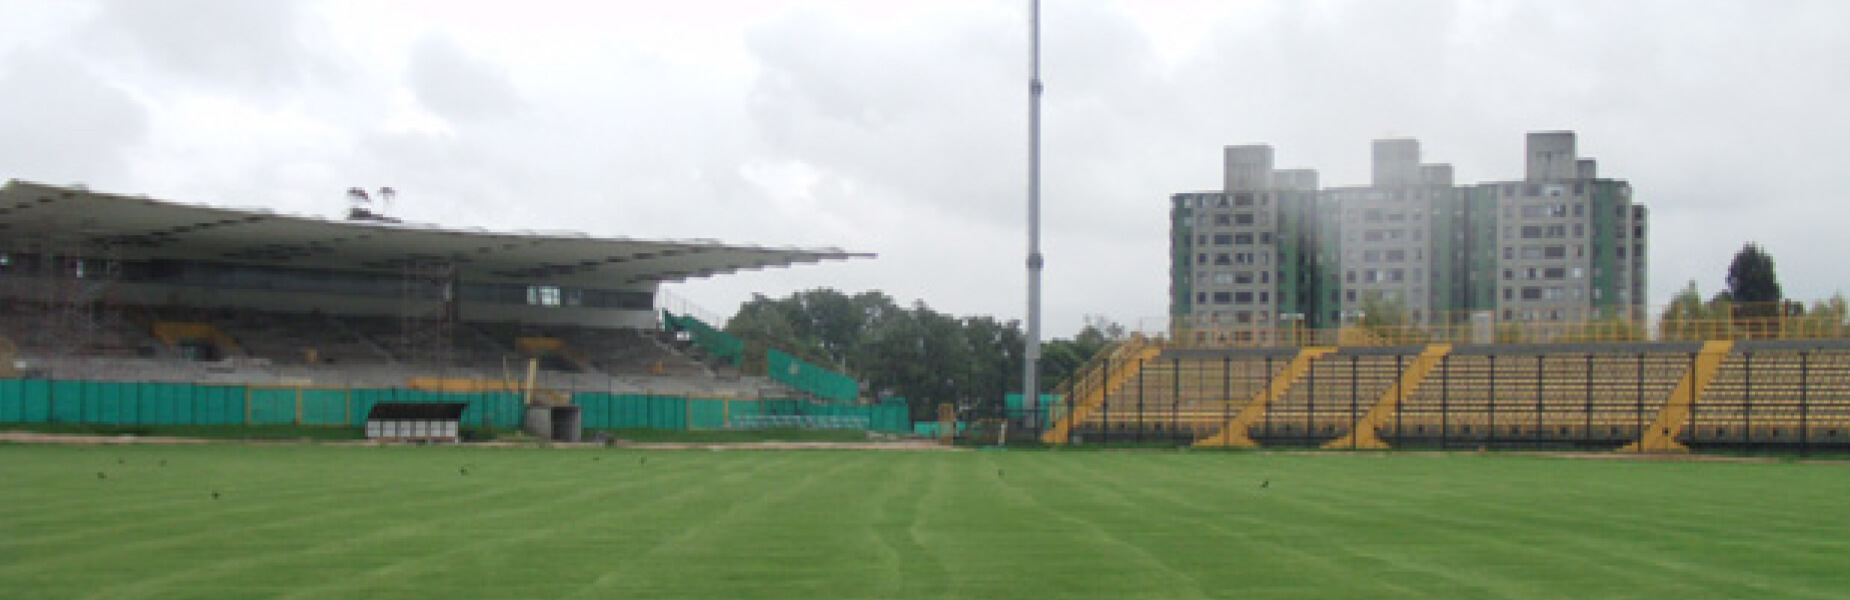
x=120, y=462
x=642, y=460
x=463, y=471
x=100, y=475
x=214, y=495
x=998, y=473
x=1265, y=484
x=163, y=462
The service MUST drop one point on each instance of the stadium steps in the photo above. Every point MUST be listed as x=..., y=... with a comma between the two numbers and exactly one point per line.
x=1119, y=365
x=1364, y=436
x=8, y=353
x=174, y=333
x=1661, y=436
x=1233, y=432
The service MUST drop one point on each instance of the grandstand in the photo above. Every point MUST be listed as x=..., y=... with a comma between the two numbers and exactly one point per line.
x=109, y=288
x=1642, y=396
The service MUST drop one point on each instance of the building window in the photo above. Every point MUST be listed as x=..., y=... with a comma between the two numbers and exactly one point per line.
x=543, y=295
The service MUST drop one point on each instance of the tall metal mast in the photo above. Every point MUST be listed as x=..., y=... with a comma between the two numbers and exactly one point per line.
x=1031, y=388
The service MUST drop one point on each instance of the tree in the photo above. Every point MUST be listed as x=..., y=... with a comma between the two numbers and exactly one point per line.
x=915, y=353
x=1753, y=286
x=1687, y=318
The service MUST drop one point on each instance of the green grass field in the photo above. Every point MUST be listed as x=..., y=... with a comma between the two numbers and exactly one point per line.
x=306, y=521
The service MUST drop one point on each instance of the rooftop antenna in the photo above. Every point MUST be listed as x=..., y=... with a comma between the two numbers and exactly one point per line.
x=1031, y=385
x=358, y=202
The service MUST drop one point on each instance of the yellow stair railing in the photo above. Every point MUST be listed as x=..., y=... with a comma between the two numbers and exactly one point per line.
x=1363, y=437
x=8, y=354
x=1232, y=434
x=1662, y=436
x=1104, y=374
x=173, y=333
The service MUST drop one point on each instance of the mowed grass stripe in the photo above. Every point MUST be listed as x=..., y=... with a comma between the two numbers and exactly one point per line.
x=572, y=496
x=316, y=521
x=429, y=498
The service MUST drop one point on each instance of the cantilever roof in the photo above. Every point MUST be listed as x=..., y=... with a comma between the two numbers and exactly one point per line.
x=33, y=214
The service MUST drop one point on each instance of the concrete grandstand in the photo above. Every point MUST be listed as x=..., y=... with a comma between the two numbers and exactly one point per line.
x=108, y=287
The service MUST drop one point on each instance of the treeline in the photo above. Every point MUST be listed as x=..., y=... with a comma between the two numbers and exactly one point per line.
x=912, y=352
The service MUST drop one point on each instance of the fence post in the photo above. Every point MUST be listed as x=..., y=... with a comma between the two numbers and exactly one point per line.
x=1541, y=368
x=1226, y=397
x=1354, y=389
x=1694, y=410
x=1175, y=400
x=1445, y=400
x=1140, y=379
x=1400, y=397
x=1747, y=401
x=1586, y=435
x=1804, y=402
x=1270, y=398
x=1490, y=425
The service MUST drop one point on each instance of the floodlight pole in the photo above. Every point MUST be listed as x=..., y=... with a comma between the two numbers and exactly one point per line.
x=1031, y=388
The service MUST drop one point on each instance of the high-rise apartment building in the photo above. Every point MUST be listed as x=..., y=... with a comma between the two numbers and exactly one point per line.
x=1272, y=253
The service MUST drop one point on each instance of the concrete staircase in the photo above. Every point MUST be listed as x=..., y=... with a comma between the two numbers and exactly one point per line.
x=1233, y=433
x=1364, y=436
x=1661, y=437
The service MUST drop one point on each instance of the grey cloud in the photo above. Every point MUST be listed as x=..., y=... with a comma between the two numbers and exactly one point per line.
x=255, y=45
x=457, y=85
x=62, y=123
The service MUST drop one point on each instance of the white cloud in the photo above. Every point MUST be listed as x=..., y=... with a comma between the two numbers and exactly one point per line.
x=900, y=127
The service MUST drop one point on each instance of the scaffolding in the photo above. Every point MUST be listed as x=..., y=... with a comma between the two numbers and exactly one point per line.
x=427, y=312
x=60, y=295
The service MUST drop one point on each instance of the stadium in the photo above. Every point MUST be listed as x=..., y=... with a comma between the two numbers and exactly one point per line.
x=125, y=311
x=127, y=316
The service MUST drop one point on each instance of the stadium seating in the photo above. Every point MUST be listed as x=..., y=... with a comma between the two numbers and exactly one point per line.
x=277, y=348
x=1775, y=393
x=1592, y=395
x=1337, y=391
x=1182, y=396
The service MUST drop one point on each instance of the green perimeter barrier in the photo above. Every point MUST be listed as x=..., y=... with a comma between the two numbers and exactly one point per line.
x=1017, y=410
x=130, y=403
x=623, y=411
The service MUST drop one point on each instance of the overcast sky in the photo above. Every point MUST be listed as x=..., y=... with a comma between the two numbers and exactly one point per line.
x=899, y=128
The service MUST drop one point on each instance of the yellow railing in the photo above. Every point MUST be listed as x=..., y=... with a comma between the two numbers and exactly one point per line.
x=1517, y=332
x=1087, y=387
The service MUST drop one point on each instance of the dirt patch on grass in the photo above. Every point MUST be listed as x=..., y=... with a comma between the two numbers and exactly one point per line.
x=28, y=437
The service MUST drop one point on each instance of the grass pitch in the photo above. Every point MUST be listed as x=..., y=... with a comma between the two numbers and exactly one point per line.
x=304, y=521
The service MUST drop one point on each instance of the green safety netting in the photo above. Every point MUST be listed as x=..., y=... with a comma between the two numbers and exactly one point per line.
x=714, y=342
x=817, y=381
